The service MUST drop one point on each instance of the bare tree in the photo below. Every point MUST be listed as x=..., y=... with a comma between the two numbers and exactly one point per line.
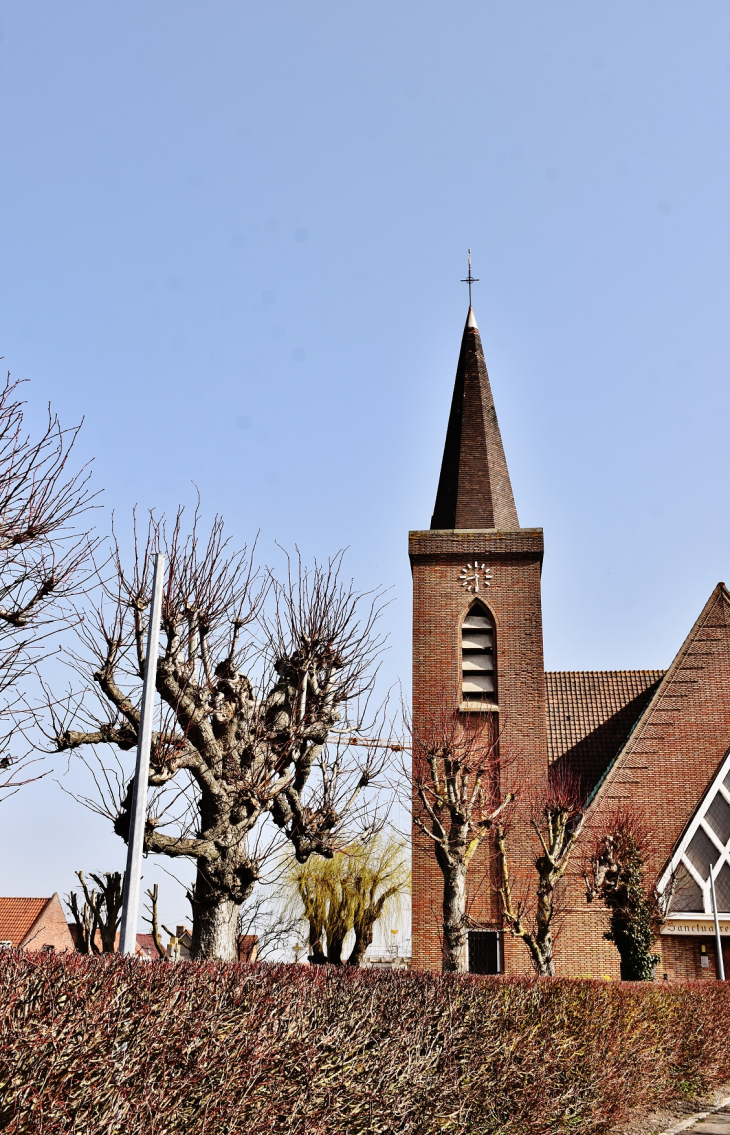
x=152, y=918
x=100, y=915
x=42, y=552
x=85, y=921
x=349, y=893
x=253, y=675
x=457, y=800
x=264, y=917
x=558, y=820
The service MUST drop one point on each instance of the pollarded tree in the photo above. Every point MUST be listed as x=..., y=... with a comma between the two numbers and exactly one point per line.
x=458, y=799
x=42, y=549
x=97, y=921
x=254, y=675
x=557, y=818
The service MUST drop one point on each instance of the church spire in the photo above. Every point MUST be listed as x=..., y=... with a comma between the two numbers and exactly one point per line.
x=474, y=487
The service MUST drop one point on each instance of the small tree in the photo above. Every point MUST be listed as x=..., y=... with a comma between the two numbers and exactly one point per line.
x=615, y=874
x=153, y=920
x=251, y=696
x=350, y=892
x=85, y=920
x=558, y=821
x=101, y=913
x=456, y=803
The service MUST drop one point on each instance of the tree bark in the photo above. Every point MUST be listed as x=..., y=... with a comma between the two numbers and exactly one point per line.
x=363, y=939
x=215, y=931
x=454, y=955
x=543, y=922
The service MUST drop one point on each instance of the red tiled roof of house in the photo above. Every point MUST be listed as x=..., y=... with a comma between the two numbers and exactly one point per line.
x=590, y=715
x=17, y=917
x=146, y=943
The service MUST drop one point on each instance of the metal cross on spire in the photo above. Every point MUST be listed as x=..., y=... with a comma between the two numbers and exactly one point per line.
x=469, y=278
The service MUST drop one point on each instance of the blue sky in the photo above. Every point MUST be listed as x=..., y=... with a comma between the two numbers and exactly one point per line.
x=232, y=237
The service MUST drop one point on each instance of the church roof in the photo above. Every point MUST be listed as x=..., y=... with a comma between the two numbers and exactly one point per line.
x=474, y=488
x=678, y=745
x=590, y=715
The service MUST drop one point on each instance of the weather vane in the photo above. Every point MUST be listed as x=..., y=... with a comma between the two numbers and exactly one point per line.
x=470, y=279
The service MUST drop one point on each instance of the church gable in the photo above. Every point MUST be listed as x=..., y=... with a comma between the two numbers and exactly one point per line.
x=704, y=847
x=681, y=740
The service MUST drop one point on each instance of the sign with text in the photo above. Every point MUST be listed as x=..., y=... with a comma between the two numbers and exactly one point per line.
x=696, y=926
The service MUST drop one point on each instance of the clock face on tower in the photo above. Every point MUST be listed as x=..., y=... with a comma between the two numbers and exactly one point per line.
x=475, y=577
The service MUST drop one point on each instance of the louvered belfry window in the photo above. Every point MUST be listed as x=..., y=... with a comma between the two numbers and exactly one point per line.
x=478, y=674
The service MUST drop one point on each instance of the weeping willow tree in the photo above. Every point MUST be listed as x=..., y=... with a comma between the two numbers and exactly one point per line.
x=350, y=892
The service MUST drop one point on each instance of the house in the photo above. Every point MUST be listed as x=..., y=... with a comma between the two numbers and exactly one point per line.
x=659, y=740
x=34, y=924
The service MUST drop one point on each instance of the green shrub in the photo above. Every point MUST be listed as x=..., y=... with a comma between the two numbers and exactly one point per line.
x=92, y=1046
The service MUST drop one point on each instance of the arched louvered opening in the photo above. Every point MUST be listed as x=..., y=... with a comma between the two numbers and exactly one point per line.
x=478, y=671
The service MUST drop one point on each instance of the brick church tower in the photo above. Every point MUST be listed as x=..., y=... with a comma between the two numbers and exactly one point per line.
x=654, y=741
x=477, y=630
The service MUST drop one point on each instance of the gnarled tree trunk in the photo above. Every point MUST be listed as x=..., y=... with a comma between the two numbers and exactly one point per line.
x=454, y=906
x=215, y=930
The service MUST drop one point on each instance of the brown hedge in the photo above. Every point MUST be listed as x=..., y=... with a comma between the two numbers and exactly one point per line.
x=95, y=1046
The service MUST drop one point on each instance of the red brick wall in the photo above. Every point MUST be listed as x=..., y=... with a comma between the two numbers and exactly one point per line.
x=440, y=603
x=674, y=754
x=49, y=929
x=681, y=958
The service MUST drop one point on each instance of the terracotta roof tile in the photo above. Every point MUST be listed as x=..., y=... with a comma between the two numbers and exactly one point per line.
x=590, y=715
x=17, y=917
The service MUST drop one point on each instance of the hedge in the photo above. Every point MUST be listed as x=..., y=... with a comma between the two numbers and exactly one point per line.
x=94, y=1046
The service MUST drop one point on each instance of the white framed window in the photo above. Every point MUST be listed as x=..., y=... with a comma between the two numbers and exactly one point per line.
x=705, y=845
x=478, y=671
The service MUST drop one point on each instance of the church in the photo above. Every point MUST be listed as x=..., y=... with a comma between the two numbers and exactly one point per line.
x=657, y=739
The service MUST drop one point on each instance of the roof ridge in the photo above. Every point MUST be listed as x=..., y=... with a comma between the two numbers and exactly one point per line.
x=649, y=670
x=27, y=898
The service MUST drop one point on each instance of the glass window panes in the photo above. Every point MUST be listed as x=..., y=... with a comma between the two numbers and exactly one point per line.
x=726, y=781
x=722, y=889
x=477, y=657
x=702, y=853
x=687, y=893
x=718, y=818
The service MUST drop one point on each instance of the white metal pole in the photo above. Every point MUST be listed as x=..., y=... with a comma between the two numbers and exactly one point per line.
x=718, y=940
x=135, y=847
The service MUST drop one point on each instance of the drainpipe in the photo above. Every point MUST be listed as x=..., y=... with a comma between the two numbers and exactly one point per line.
x=718, y=940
